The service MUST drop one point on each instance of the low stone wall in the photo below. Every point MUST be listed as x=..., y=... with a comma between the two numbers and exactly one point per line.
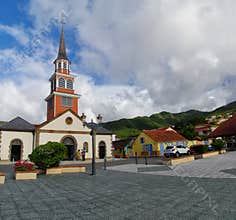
x=65, y=169
x=2, y=178
x=73, y=169
x=206, y=155
x=26, y=175
x=54, y=170
x=176, y=161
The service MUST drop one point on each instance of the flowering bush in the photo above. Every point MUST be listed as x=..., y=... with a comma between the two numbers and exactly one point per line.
x=24, y=165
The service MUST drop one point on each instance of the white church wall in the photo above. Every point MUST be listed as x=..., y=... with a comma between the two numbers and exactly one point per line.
x=57, y=137
x=108, y=141
x=8, y=136
x=60, y=123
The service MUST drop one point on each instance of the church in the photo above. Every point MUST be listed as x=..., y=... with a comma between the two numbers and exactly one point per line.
x=19, y=137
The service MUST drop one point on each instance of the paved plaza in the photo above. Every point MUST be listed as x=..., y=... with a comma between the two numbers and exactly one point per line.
x=221, y=166
x=121, y=195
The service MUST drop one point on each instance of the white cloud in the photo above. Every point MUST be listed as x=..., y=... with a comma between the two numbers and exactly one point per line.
x=113, y=102
x=17, y=32
x=152, y=55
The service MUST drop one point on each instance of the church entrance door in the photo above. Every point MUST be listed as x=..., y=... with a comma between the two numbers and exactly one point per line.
x=16, y=147
x=102, y=150
x=71, y=148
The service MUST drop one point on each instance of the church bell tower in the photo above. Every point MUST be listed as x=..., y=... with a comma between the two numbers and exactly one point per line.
x=62, y=96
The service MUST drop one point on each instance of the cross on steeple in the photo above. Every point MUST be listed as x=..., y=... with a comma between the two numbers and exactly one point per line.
x=63, y=18
x=62, y=46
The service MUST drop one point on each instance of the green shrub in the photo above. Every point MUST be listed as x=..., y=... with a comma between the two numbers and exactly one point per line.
x=200, y=149
x=48, y=155
x=218, y=144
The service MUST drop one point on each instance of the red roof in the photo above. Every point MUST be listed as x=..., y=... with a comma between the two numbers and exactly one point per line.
x=202, y=125
x=202, y=129
x=164, y=135
x=227, y=128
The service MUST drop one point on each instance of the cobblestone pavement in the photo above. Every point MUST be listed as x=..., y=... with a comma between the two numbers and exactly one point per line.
x=221, y=166
x=117, y=195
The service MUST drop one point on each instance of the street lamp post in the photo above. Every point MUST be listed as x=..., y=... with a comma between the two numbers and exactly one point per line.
x=93, y=134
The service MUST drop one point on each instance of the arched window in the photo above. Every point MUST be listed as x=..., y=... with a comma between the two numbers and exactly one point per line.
x=59, y=65
x=64, y=65
x=69, y=84
x=61, y=83
x=85, y=147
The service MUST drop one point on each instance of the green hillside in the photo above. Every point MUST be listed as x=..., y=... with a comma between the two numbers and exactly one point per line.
x=127, y=127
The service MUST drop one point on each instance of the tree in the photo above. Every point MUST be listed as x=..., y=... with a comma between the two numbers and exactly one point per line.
x=187, y=131
x=218, y=144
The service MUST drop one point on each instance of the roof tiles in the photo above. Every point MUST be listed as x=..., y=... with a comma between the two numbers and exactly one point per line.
x=227, y=128
x=164, y=135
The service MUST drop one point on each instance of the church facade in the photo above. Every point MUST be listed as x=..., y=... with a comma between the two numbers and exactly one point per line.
x=19, y=137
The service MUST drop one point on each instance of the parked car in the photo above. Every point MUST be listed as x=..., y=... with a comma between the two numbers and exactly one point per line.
x=176, y=151
x=210, y=147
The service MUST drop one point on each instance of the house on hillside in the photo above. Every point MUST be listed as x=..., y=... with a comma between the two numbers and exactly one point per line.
x=153, y=142
x=226, y=130
x=203, y=129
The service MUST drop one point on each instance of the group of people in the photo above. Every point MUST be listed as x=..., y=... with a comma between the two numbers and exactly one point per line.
x=80, y=154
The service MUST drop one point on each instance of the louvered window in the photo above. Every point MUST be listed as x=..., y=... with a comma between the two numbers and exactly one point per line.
x=69, y=84
x=64, y=65
x=61, y=83
x=66, y=101
x=59, y=65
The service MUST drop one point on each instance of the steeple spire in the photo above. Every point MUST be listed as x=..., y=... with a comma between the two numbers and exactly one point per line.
x=62, y=46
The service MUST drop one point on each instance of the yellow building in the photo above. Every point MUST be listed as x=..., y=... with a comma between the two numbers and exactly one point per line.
x=153, y=142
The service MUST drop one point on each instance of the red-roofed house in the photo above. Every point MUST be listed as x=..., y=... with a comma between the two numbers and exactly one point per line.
x=153, y=142
x=226, y=129
x=203, y=129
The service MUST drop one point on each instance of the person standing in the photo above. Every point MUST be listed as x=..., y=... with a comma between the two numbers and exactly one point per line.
x=83, y=155
x=78, y=155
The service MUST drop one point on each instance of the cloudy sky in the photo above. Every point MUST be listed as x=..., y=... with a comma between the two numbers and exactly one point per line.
x=132, y=58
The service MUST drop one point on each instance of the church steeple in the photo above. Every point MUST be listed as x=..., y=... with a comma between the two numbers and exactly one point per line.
x=62, y=96
x=62, y=46
x=62, y=63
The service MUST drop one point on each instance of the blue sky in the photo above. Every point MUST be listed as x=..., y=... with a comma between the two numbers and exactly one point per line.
x=131, y=57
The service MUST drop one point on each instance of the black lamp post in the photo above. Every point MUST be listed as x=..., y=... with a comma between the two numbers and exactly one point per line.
x=93, y=134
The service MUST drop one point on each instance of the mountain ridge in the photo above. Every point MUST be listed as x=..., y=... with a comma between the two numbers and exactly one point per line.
x=127, y=127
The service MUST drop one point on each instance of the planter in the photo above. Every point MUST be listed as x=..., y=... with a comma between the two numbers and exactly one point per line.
x=223, y=151
x=2, y=178
x=206, y=155
x=176, y=161
x=26, y=175
x=73, y=169
x=65, y=169
x=54, y=170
